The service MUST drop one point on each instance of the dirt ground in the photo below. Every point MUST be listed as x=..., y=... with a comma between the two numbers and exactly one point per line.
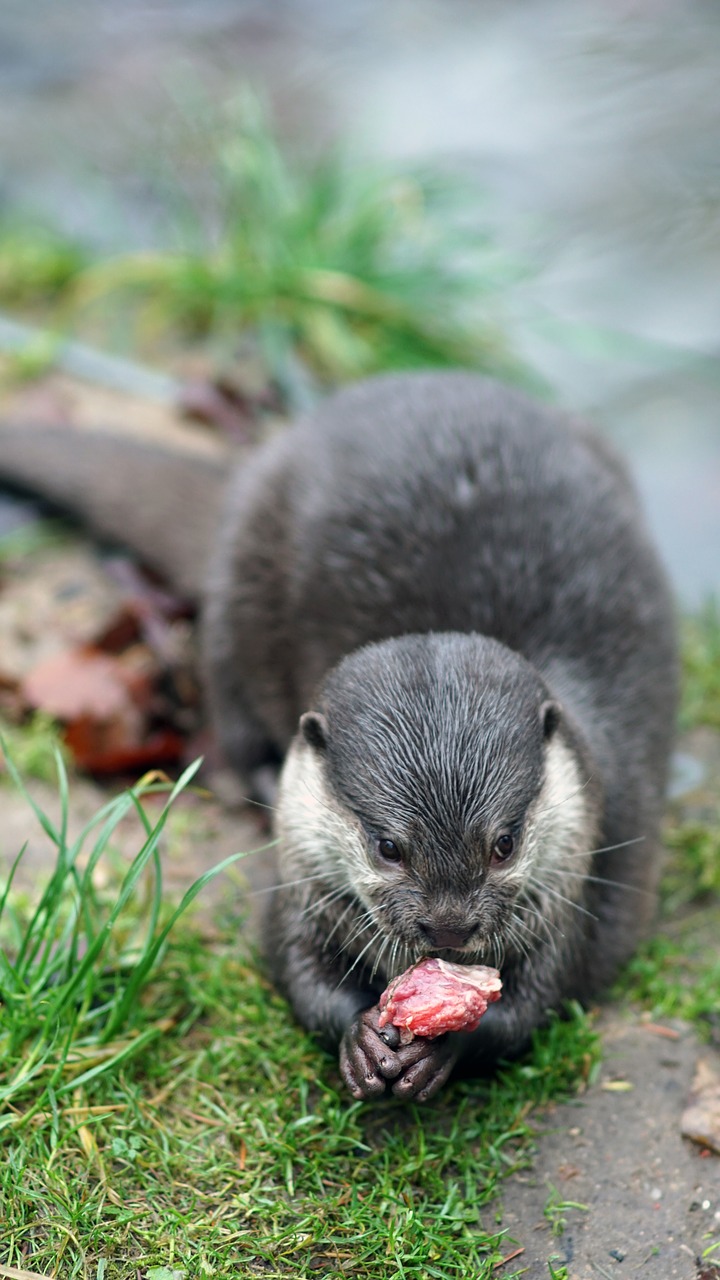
x=648, y=1200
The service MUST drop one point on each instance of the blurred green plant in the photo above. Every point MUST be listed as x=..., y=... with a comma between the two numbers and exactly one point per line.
x=34, y=746
x=674, y=978
x=701, y=663
x=693, y=872
x=350, y=267
x=37, y=266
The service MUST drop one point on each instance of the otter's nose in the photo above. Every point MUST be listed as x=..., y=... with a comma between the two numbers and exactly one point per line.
x=442, y=936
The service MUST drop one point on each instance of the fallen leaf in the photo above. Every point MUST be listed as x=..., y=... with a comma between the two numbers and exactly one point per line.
x=701, y=1118
x=78, y=682
x=101, y=750
x=656, y=1029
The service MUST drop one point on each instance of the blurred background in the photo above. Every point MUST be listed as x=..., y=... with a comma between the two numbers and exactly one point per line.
x=536, y=183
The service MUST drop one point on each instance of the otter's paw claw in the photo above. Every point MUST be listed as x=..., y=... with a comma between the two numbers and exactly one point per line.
x=367, y=1062
x=426, y=1065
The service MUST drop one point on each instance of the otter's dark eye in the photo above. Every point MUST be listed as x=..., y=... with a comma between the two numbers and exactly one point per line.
x=389, y=851
x=504, y=847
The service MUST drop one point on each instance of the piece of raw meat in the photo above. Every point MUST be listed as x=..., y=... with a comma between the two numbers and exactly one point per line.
x=435, y=996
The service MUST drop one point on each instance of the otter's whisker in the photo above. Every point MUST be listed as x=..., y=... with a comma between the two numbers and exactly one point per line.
x=379, y=957
x=315, y=908
x=562, y=898
x=338, y=922
x=547, y=923
x=614, y=884
x=516, y=939
x=609, y=848
x=359, y=957
x=286, y=884
x=360, y=927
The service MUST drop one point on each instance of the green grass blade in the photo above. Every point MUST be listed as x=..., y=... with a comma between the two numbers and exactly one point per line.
x=127, y=888
x=47, y=826
x=154, y=950
x=11, y=877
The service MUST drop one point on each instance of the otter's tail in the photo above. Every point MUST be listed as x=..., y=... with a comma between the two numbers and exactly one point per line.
x=159, y=496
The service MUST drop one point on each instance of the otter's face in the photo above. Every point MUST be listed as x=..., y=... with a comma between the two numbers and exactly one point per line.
x=448, y=811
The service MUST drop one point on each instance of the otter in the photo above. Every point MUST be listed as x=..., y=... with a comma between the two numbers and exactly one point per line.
x=434, y=606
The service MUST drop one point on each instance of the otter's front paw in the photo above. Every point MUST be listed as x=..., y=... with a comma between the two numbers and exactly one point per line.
x=367, y=1061
x=425, y=1066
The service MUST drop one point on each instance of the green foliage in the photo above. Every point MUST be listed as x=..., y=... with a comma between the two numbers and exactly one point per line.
x=693, y=873
x=74, y=965
x=565, y=1052
x=232, y=1145
x=701, y=663
x=556, y=1208
x=30, y=363
x=674, y=978
x=34, y=746
x=351, y=267
x=162, y=1111
x=37, y=266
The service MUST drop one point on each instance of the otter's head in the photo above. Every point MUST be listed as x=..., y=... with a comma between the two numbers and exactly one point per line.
x=436, y=782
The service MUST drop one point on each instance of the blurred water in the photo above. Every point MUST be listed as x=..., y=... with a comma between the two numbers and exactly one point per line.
x=594, y=128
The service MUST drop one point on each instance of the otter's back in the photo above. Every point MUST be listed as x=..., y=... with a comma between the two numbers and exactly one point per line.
x=447, y=502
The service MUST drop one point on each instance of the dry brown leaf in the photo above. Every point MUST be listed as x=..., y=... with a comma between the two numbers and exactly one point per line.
x=701, y=1118
x=78, y=683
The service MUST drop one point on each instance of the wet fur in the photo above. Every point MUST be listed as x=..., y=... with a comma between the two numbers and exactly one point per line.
x=425, y=562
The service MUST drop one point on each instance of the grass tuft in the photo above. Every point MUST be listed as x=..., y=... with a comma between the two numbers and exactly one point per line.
x=354, y=269
x=161, y=1109
x=351, y=267
x=74, y=964
x=676, y=977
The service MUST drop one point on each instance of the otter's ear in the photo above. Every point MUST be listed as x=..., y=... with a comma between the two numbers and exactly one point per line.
x=314, y=729
x=550, y=717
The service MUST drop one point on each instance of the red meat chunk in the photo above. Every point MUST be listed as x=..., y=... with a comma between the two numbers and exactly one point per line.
x=435, y=996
